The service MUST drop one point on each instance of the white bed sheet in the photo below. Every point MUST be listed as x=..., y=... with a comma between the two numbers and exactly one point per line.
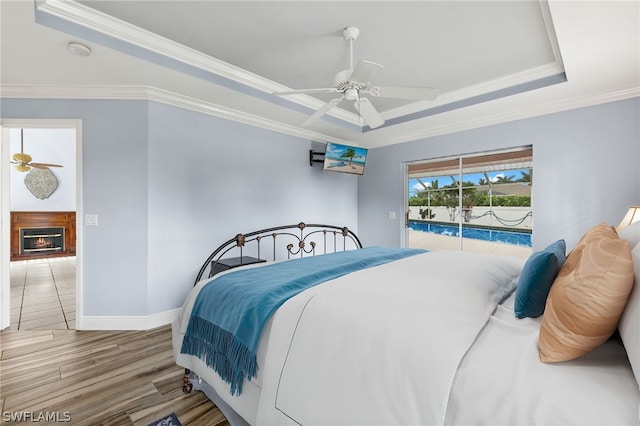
x=499, y=381
x=502, y=381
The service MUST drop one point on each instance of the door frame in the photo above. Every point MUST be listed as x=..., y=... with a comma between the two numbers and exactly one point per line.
x=404, y=237
x=5, y=210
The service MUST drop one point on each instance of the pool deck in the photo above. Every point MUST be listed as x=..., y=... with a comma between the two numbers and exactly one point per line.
x=429, y=241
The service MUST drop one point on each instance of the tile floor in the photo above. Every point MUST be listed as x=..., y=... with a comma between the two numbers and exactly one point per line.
x=43, y=294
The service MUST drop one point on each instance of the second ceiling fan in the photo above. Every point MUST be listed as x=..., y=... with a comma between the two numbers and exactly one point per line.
x=350, y=84
x=23, y=161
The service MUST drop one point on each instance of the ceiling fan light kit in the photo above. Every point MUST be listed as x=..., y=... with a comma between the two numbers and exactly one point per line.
x=20, y=157
x=351, y=83
x=22, y=168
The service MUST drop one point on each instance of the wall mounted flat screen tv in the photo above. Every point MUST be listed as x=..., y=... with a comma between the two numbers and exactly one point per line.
x=344, y=158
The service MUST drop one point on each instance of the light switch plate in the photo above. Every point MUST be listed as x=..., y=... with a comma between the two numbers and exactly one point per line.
x=91, y=220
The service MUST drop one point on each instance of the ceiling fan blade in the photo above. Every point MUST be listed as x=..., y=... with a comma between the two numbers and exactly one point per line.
x=368, y=113
x=405, y=92
x=364, y=72
x=302, y=91
x=322, y=111
x=43, y=165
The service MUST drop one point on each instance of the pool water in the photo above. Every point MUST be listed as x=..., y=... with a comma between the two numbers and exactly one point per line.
x=493, y=235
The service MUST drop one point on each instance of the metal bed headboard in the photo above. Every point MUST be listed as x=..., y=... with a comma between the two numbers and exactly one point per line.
x=302, y=242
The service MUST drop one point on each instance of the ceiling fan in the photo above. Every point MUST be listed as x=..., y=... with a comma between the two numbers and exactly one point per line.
x=23, y=162
x=354, y=82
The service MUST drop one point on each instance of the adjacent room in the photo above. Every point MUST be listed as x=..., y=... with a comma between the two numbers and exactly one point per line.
x=454, y=185
x=43, y=229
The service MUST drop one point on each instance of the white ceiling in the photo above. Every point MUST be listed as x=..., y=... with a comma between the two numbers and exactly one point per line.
x=491, y=61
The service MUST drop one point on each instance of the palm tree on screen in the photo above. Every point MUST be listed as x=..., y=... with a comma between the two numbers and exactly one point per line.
x=349, y=153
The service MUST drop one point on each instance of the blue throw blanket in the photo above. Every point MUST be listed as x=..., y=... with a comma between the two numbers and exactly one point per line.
x=230, y=311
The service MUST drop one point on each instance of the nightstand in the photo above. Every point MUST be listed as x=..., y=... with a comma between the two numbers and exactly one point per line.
x=232, y=262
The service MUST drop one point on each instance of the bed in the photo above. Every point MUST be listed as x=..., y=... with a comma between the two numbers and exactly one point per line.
x=400, y=336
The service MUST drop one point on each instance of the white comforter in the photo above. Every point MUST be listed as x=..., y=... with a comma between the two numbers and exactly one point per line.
x=382, y=345
x=420, y=341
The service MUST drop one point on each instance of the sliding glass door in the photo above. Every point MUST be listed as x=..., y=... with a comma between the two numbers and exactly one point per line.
x=475, y=203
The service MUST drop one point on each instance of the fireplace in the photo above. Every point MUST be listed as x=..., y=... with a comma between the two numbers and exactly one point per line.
x=42, y=234
x=35, y=241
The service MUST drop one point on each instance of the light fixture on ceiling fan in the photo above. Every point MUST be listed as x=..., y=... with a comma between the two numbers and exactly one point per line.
x=354, y=82
x=23, y=162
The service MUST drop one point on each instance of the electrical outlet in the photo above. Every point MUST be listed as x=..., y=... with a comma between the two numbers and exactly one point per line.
x=392, y=215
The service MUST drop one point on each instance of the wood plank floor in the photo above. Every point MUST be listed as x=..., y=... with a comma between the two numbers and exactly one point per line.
x=97, y=378
x=43, y=294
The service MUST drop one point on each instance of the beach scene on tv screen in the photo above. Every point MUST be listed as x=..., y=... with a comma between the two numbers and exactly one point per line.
x=347, y=159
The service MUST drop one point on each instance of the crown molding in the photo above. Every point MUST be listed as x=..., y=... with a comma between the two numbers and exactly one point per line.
x=89, y=18
x=94, y=20
x=487, y=87
x=50, y=91
x=193, y=104
x=147, y=93
x=515, y=114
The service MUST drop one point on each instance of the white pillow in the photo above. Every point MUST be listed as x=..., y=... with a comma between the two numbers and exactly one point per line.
x=632, y=234
x=629, y=326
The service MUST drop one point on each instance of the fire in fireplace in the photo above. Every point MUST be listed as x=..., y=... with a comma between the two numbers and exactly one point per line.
x=41, y=240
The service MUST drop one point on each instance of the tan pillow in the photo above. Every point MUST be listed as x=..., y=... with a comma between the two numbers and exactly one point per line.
x=598, y=232
x=586, y=299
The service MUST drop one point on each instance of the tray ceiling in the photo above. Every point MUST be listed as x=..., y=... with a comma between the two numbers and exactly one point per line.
x=491, y=61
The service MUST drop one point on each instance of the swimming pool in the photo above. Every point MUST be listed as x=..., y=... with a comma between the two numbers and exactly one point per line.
x=493, y=235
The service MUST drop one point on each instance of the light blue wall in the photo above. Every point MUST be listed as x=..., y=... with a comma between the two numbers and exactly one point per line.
x=115, y=188
x=586, y=171
x=169, y=185
x=211, y=178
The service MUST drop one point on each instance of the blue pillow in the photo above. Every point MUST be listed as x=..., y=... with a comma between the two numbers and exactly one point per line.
x=536, y=279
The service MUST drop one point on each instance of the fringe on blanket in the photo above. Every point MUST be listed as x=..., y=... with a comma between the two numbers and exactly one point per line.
x=220, y=350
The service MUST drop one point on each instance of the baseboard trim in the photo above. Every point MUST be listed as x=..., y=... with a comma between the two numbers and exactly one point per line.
x=128, y=322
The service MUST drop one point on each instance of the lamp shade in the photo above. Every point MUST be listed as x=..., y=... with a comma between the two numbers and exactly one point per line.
x=633, y=215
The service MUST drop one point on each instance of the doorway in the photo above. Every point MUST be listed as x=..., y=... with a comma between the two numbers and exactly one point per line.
x=43, y=291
